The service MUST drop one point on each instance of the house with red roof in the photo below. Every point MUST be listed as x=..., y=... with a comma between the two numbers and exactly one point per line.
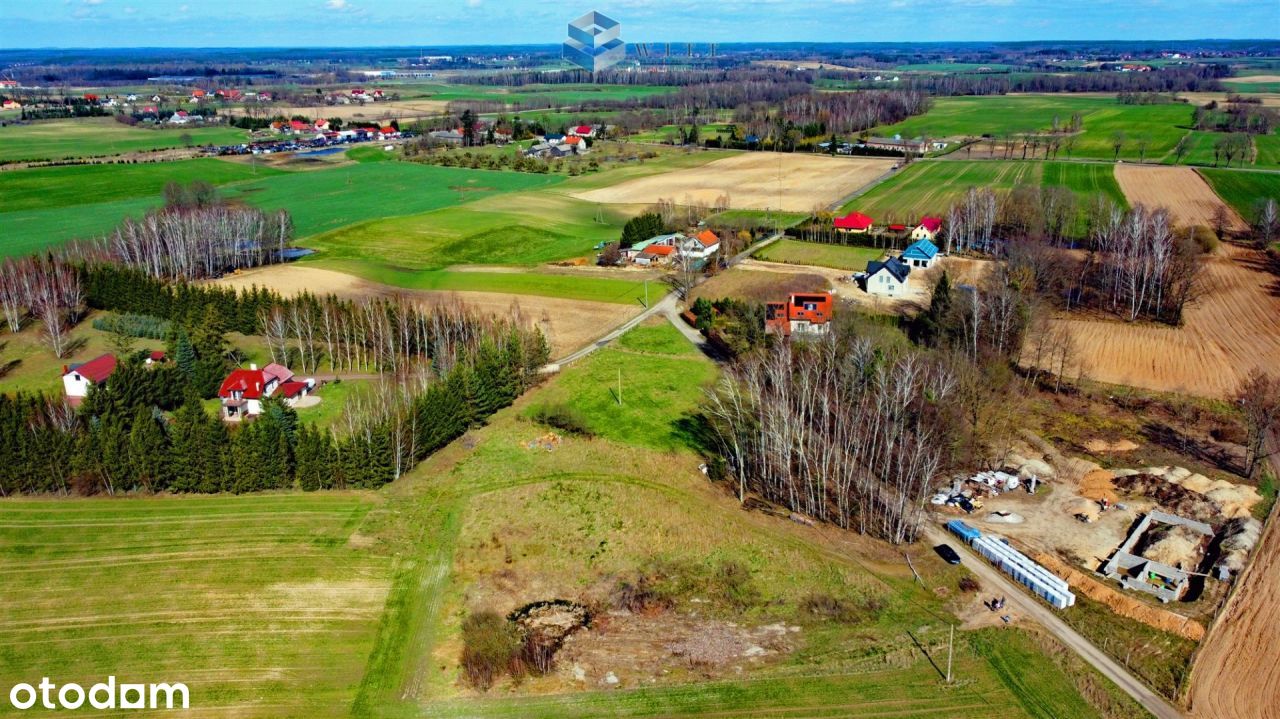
x=853, y=223
x=927, y=229
x=78, y=378
x=699, y=247
x=583, y=131
x=243, y=390
x=657, y=255
x=803, y=313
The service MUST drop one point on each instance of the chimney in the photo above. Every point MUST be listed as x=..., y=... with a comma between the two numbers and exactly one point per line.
x=253, y=366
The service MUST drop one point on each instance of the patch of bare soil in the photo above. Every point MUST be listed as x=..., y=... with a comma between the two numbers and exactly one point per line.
x=1181, y=189
x=567, y=324
x=636, y=649
x=791, y=182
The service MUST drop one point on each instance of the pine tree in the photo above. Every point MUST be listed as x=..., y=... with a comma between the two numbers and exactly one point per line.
x=149, y=451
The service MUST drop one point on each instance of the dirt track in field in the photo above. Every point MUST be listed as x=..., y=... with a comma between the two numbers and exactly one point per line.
x=1181, y=189
x=1233, y=328
x=753, y=180
x=567, y=324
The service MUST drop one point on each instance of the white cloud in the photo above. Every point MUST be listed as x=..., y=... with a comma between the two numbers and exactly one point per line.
x=336, y=4
x=474, y=3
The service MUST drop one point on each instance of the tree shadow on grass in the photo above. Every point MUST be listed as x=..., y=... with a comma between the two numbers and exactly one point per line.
x=694, y=431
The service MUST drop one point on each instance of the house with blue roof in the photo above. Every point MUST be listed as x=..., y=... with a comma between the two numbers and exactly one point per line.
x=920, y=254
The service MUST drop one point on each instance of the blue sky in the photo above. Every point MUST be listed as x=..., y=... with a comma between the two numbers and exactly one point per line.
x=243, y=23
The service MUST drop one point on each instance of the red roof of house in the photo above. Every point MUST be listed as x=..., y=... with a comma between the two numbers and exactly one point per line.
x=97, y=369
x=708, y=238
x=156, y=355
x=897, y=227
x=197, y=93
x=298, y=124
x=583, y=129
x=661, y=250
x=821, y=303
x=853, y=221
x=388, y=130
x=277, y=372
x=247, y=381
x=573, y=140
x=932, y=224
x=291, y=389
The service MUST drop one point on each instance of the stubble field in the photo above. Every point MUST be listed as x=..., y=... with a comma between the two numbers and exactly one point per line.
x=756, y=180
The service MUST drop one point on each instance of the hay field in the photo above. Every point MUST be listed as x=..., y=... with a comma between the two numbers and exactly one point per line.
x=264, y=605
x=1181, y=189
x=754, y=180
x=1232, y=329
x=568, y=324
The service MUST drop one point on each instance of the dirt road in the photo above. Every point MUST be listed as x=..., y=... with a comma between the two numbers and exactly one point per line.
x=1236, y=674
x=1045, y=616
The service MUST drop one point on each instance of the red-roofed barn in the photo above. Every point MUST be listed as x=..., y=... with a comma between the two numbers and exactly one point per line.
x=854, y=222
x=78, y=378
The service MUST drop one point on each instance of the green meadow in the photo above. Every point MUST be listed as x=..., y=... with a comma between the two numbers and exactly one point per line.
x=841, y=257
x=932, y=187
x=90, y=137
x=1160, y=125
x=1243, y=190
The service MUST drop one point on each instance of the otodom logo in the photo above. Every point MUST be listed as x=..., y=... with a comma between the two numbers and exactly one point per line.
x=103, y=695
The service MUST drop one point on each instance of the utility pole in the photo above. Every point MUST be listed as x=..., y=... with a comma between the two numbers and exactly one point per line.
x=950, y=643
x=619, y=386
x=646, y=294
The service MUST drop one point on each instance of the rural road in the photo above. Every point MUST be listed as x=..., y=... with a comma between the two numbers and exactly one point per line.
x=665, y=306
x=1045, y=616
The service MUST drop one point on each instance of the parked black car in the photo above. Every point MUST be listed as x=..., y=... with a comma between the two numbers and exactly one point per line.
x=947, y=553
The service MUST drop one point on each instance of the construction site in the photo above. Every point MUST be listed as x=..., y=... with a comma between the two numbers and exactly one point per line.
x=1158, y=545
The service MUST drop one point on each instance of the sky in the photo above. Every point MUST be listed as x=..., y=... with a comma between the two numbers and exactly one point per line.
x=355, y=23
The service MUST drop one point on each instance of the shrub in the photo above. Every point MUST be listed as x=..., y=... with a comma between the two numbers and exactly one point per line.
x=134, y=325
x=825, y=607
x=490, y=647
x=969, y=584
x=564, y=418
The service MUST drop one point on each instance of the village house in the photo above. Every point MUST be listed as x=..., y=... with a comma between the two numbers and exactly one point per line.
x=586, y=131
x=807, y=313
x=657, y=255
x=671, y=240
x=921, y=254
x=9, y=85
x=896, y=143
x=887, y=279
x=853, y=223
x=699, y=248
x=78, y=378
x=927, y=229
x=243, y=390
x=181, y=117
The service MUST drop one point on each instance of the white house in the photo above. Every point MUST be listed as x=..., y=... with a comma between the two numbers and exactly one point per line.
x=887, y=279
x=927, y=229
x=920, y=254
x=700, y=247
x=78, y=378
x=243, y=390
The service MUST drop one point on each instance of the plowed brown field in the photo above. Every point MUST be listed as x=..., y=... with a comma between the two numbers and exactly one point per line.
x=753, y=180
x=1233, y=328
x=1236, y=675
x=1181, y=189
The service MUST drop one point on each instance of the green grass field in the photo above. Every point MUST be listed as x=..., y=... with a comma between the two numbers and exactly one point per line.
x=1161, y=125
x=761, y=218
x=260, y=604
x=88, y=137
x=932, y=187
x=841, y=257
x=53, y=187
x=516, y=229
x=1084, y=179
x=953, y=67
x=1243, y=190
x=319, y=200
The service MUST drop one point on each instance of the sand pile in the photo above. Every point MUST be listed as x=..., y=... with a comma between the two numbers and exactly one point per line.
x=1097, y=485
x=1102, y=446
x=1239, y=536
x=1174, y=545
x=1187, y=492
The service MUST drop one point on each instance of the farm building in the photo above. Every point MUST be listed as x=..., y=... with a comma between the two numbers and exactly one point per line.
x=898, y=144
x=887, y=279
x=587, y=131
x=78, y=378
x=927, y=229
x=657, y=255
x=243, y=390
x=854, y=223
x=802, y=313
x=699, y=247
x=920, y=254
x=632, y=252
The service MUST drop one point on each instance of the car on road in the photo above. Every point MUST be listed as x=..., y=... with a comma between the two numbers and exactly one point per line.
x=947, y=553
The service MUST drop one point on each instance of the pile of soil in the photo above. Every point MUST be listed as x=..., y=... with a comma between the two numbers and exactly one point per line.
x=545, y=625
x=1102, y=446
x=1172, y=497
x=1239, y=536
x=1176, y=546
x=1097, y=485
